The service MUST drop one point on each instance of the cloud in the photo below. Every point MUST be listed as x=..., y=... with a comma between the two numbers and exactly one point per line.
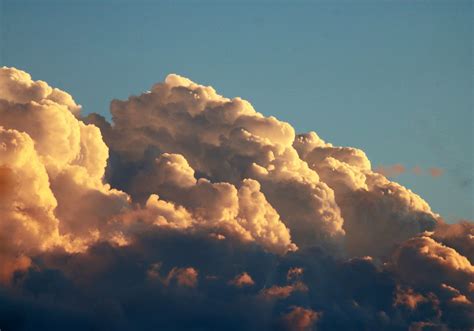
x=183, y=276
x=294, y=273
x=54, y=165
x=282, y=292
x=300, y=319
x=409, y=298
x=420, y=258
x=312, y=185
x=195, y=206
x=378, y=214
x=17, y=87
x=396, y=170
x=420, y=326
x=242, y=280
x=459, y=236
x=27, y=204
x=220, y=209
x=436, y=172
x=187, y=277
x=223, y=140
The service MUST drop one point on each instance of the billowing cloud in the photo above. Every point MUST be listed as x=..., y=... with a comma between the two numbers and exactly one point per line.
x=459, y=236
x=419, y=258
x=16, y=86
x=192, y=210
x=223, y=140
x=219, y=208
x=378, y=214
x=54, y=164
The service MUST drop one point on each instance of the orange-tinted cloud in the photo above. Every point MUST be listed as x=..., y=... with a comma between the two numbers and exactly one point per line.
x=398, y=169
x=242, y=280
x=300, y=319
x=282, y=292
x=294, y=273
x=436, y=172
x=187, y=277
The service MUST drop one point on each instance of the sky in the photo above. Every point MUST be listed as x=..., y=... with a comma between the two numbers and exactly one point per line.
x=393, y=78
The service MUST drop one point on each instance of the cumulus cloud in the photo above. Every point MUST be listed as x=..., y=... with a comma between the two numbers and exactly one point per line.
x=54, y=165
x=459, y=236
x=28, y=224
x=397, y=169
x=223, y=140
x=418, y=259
x=183, y=276
x=408, y=297
x=187, y=277
x=220, y=209
x=16, y=86
x=242, y=280
x=322, y=193
x=199, y=207
x=378, y=214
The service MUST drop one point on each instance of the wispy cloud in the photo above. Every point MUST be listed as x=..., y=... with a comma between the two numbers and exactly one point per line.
x=398, y=169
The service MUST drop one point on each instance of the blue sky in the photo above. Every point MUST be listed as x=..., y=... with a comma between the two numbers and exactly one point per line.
x=394, y=78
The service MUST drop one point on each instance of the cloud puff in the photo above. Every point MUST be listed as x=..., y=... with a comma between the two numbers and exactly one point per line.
x=419, y=259
x=28, y=224
x=219, y=208
x=187, y=277
x=16, y=86
x=378, y=214
x=223, y=140
x=459, y=236
x=242, y=280
x=408, y=297
x=294, y=273
x=436, y=172
x=300, y=319
x=52, y=166
x=282, y=292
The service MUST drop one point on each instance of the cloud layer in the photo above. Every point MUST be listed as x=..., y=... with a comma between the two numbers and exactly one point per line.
x=192, y=210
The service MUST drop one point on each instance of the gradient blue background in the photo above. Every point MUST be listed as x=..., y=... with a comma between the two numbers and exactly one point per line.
x=394, y=78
